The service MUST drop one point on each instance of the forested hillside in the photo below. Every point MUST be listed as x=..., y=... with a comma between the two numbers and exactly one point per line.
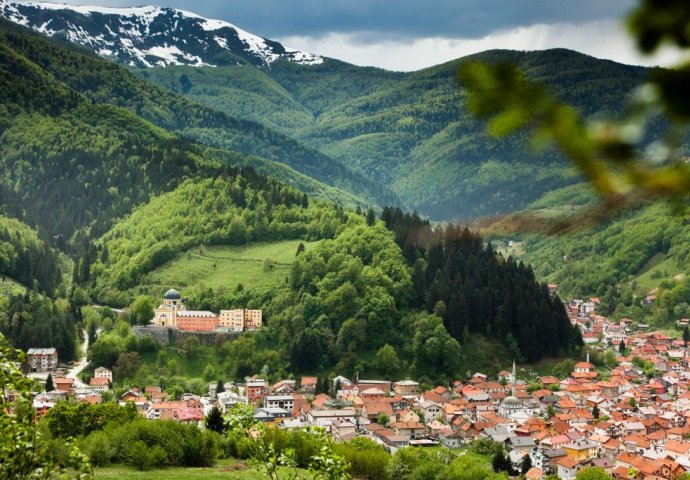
x=235, y=209
x=33, y=320
x=26, y=258
x=620, y=259
x=477, y=290
x=411, y=130
x=106, y=83
x=351, y=305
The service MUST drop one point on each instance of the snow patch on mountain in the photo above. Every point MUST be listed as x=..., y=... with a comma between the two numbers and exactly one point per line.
x=152, y=36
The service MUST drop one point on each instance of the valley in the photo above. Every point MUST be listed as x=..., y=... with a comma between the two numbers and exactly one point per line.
x=261, y=262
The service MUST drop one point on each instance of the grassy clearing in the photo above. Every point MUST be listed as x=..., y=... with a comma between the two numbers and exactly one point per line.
x=656, y=270
x=256, y=265
x=479, y=457
x=225, y=469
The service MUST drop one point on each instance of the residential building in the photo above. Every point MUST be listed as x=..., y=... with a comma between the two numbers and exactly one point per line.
x=286, y=402
x=99, y=385
x=42, y=359
x=102, y=372
x=406, y=387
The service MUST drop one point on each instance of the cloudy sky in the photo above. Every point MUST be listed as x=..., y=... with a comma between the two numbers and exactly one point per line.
x=412, y=34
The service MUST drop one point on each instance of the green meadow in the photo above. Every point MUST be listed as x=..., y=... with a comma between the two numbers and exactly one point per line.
x=255, y=265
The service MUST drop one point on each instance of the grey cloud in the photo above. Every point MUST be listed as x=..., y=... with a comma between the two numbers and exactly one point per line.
x=402, y=19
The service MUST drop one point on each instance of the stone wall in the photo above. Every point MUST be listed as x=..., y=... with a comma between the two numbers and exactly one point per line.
x=159, y=334
x=168, y=335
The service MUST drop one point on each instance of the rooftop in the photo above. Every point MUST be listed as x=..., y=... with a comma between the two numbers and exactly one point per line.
x=172, y=294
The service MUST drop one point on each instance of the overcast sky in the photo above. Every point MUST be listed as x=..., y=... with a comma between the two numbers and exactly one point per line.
x=412, y=34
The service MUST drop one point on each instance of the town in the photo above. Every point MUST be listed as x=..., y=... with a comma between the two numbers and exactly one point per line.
x=630, y=420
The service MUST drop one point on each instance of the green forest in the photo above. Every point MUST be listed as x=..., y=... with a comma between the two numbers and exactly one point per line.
x=620, y=259
x=357, y=301
x=105, y=83
x=411, y=130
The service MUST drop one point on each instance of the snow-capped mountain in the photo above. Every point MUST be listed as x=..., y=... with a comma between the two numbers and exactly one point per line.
x=152, y=36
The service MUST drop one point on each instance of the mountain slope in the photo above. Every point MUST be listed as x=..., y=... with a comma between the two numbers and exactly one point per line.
x=420, y=134
x=237, y=209
x=148, y=36
x=408, y=131
x=411, y=130
x=619, y=259
x=26, y=258
x=69, y=160
x=105, y=82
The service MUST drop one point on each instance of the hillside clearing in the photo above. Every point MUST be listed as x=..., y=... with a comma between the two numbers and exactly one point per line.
x=253, y=266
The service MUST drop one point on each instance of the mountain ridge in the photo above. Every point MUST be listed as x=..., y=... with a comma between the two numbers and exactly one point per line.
x=152, y=36
x=409, y=132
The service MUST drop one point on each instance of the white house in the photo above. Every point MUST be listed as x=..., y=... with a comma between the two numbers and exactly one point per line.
x=102, y=372
x=431, y=411
x=286, y=402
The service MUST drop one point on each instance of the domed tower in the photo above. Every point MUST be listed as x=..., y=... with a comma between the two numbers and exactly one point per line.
x=172, y=297
x=166, y=314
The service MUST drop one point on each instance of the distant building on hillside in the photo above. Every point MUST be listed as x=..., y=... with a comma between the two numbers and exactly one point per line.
x=166, y=314
x=240, y=319
x=173, y=313
x=42, y=359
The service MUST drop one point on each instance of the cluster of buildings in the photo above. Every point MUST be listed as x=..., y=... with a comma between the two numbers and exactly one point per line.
x=172, y=313
x=632, y=425
x=631, y=420
x=67, y=387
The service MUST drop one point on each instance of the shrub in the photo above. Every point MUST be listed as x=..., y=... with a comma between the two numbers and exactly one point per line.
x=367, y=459
x=145, y=444
x=99, y=449
x=144, y=458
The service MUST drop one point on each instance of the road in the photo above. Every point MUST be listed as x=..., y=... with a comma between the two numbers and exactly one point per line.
x=116, y=310
x=80, y=365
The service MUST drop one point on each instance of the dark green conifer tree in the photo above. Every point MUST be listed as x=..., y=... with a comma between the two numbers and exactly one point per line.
x=214, y=421
x=526, y=464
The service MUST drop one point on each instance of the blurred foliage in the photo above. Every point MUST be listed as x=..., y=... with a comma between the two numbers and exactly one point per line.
x=609, y=154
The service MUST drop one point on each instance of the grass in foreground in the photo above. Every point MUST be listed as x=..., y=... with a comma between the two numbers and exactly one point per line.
x=225, y=469
x=256, y=265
